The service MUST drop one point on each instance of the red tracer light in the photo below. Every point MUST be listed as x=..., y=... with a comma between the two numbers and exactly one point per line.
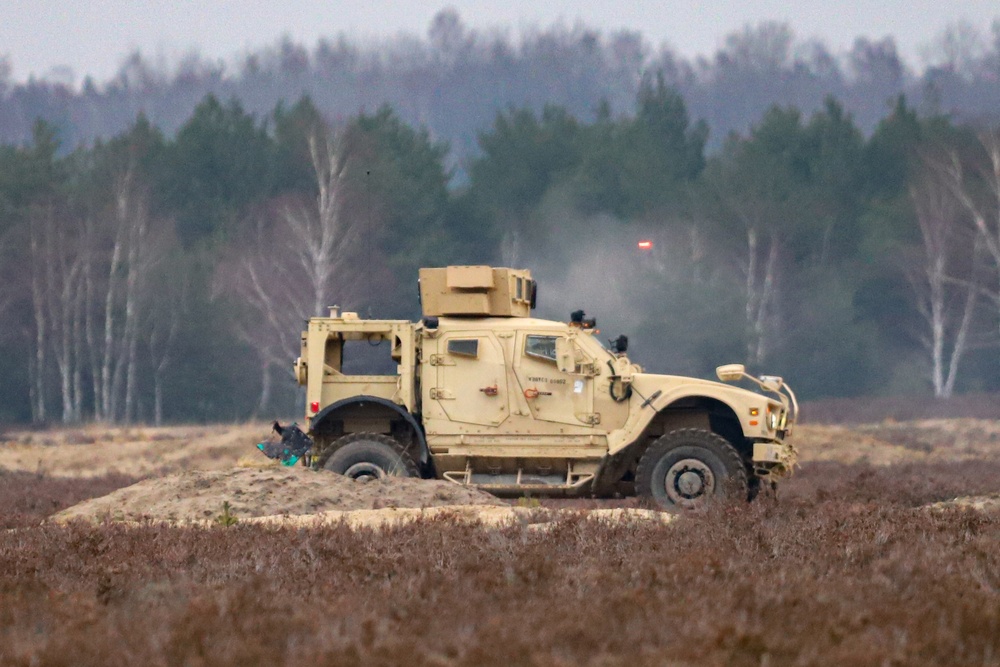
x=645, y=245
x=314, y=406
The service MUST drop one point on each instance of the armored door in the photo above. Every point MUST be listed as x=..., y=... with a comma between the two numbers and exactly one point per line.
x=552, y=399
x=471, y=392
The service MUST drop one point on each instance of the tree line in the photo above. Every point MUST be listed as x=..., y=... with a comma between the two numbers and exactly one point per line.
x=153, y=277
x=147, y=276
x=453, y=78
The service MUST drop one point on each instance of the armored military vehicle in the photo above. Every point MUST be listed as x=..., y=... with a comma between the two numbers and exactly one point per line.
x=483, y=394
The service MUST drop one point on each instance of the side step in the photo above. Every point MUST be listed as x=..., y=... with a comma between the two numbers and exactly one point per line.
x=521, y=481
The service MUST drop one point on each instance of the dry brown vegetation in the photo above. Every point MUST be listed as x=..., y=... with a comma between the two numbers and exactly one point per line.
x=844, y=565
x=96, y=449
x=27, y=498
x=889, y=442
x=841, y=568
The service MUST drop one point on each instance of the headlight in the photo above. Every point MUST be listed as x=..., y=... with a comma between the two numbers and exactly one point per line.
x=775, y=417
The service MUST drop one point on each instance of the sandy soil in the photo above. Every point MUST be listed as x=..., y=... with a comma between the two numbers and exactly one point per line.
x=489, y=515
x=266, y=491
x=193, y=470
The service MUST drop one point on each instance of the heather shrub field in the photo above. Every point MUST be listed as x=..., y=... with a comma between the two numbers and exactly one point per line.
x=842, y=567
x=27, y=498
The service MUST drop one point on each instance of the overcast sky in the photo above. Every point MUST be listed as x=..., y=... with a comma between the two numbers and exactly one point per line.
x=93, y=36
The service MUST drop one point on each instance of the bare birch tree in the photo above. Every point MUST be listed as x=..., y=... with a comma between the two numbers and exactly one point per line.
x=760, y=266
x=757, y=248
x=89, y=290
x=56, y=266
x=7, y=296
x=164, y=325
x=322, y=237
x=37, y=359
x=298, y=261
x=975, y=184
x=141, y=244
x=945, y=276
x=104, y=396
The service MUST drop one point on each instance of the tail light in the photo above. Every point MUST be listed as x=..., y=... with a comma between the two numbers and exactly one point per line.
x=314, y=406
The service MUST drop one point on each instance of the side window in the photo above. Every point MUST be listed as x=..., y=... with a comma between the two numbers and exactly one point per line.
x=465, y=347
x=541, y=347
x=372, y=356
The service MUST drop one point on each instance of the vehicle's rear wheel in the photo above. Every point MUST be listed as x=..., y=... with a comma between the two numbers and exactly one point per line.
x=690, y=467
x=368, y=456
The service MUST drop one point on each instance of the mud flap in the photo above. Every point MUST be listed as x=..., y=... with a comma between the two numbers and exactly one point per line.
x=294, y=444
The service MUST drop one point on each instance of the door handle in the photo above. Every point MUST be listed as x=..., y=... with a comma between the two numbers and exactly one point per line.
x=490, y=391
x=531, y=392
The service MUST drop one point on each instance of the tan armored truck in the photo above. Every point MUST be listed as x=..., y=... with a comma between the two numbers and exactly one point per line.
x=485, y=395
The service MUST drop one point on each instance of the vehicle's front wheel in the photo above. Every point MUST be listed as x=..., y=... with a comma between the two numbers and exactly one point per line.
x=367, y=456
x=687, y=468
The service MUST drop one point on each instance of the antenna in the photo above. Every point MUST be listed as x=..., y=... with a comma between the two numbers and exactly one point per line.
x=368, y=238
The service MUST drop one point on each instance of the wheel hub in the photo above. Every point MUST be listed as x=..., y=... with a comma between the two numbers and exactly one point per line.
x=688, y=481
x=364, y=472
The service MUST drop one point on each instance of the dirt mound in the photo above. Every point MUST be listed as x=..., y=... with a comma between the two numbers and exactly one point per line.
x=266, y=491
x=989, y=503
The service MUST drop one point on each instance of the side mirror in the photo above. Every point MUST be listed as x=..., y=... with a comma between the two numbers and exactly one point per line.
x=619, y=345
x=731, y=372
x=566, y=355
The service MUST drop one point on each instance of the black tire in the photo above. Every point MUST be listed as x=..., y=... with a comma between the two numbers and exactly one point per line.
x=365, y=456
x=690, y=467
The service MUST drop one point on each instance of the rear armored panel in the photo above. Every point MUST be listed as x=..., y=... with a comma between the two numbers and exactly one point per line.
x=479, y=291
